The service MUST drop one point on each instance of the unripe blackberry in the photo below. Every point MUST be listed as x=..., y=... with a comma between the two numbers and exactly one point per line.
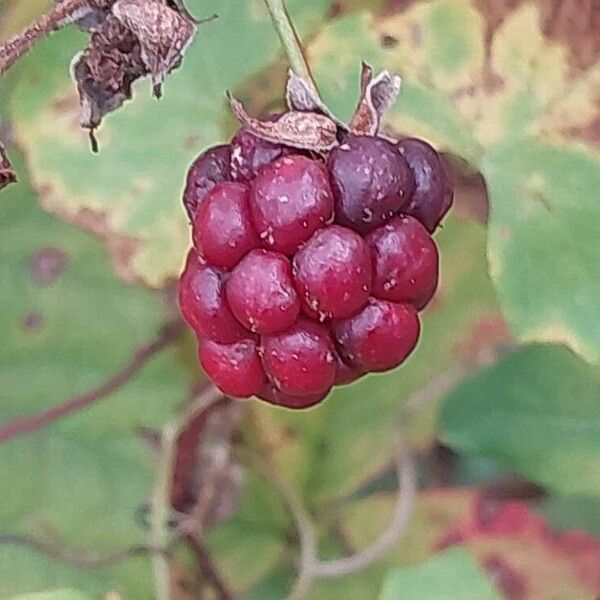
x=333, y=273
x=272, y=395
x=300, y=361
x=261, y=293
x=203, y=305
x=249, y=154
x=313, y=251
x=235, y=368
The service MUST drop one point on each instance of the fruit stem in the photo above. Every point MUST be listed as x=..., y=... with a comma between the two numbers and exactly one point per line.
x=290, y=41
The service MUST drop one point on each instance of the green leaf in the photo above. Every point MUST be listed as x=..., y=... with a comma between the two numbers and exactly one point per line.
x=68, y=326
x=257, y=529
x=543, y=250
x=57, y=595
x=130, y=192
x=330, y=450
x=452, y=575
x=537, y=412
x=572, y=512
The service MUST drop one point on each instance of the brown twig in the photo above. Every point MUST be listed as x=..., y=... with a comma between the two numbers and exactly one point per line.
x=7, y=173
x=207, y=567
x=141, y=356
x=58, y=16
x=80, y=558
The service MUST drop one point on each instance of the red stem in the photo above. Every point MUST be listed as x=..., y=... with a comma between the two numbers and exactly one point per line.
x=207, y=567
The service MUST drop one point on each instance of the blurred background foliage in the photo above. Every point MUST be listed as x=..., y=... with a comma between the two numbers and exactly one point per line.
x=500, y=403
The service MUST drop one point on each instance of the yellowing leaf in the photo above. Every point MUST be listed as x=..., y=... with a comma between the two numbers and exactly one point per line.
x=578, y=108
x=133, y=186
x=437, y=42
x=525, y=59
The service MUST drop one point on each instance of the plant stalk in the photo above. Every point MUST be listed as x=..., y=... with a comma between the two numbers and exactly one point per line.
x=290, y=40
x=58, y=16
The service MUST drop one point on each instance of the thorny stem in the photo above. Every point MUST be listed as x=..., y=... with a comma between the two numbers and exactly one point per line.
x=160, y=504
x=58, y=16
x=290, y=40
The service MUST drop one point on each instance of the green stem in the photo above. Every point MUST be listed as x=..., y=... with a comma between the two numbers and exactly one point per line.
x=161, y=510
x=290, y=40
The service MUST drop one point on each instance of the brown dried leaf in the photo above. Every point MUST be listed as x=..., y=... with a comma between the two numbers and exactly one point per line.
x=7, y=173
x=105, y=71
x=163, y=35
x=90, y=15
x=377, y=96
x=306, y=130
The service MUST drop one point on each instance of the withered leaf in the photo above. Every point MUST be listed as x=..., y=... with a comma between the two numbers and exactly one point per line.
x=163, y=35
x=377, y=95
x=129, y=40
x=306, y=130
x=106, y=69
x=90, y=15
x=7, y=173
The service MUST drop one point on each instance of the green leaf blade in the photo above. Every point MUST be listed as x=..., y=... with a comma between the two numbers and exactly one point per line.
x=538, y=412
x=452, y=575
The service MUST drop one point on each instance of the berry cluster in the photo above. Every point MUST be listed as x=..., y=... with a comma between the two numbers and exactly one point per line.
x=308, y=269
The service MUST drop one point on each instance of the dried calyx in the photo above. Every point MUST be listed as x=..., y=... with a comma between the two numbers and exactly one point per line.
x=378, y=94
x=7, y=173
x=310, y=125
x=134, y=39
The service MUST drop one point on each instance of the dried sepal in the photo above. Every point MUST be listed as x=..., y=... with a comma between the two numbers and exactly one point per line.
x=366, y=76
x=105, y=71
x=7, y=173
x=306, y=130
x=301, y=95
x=163, y=35
x=90, y=14
x=377, y=95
